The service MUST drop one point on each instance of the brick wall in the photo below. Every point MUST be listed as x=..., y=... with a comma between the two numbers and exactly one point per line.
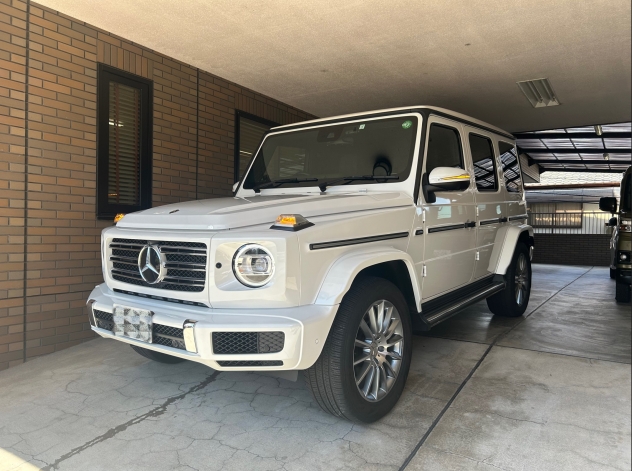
x=48, y=162
x=572, y=249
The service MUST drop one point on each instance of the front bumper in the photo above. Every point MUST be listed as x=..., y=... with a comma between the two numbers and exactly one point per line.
x=305, y=329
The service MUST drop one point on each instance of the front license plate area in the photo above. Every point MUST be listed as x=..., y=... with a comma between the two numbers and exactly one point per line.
x=133, y=323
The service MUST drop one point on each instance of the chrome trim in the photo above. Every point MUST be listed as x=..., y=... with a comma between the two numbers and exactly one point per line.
x=188, y=333
x=91, y=318
x=447, y=312
x=531, y=253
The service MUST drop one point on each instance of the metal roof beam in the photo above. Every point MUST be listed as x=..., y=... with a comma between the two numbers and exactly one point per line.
x=584, y=162
x=574, y=135
x=583, y=170
x=535, y=151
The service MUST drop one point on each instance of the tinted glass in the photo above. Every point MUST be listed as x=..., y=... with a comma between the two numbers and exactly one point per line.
x=511, y=167
x=376, y=147
x=484, y=163
x=626, y=194
x=444, y=148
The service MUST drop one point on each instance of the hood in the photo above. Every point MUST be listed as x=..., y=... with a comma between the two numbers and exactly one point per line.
x=231, y=213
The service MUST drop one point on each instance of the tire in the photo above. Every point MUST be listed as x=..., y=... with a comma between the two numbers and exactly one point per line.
x=613, y=273
x=332, y=379
x=507, y=303
x=157, y=356
x=622, y=295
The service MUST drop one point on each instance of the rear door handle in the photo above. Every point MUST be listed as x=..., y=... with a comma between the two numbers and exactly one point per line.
x=470, y=224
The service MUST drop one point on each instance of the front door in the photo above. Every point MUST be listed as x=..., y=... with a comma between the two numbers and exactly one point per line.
x=450, y=238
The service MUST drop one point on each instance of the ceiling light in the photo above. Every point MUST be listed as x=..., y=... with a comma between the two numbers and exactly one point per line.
x=598, y=129
x=539, y=92
x=606, y=156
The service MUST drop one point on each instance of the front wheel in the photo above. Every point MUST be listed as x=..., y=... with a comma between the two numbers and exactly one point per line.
x=363, y=367
x=513, y=300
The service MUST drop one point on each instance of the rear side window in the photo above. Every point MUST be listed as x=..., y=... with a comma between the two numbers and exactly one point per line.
x=444, y=148
x=484, y=163
x=511, y=167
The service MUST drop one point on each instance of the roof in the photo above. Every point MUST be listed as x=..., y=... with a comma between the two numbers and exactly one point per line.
x=600, y=148
x=455, y=114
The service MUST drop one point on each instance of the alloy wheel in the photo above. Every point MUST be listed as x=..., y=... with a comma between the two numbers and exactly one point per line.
x=378, y=350
x=521, y=279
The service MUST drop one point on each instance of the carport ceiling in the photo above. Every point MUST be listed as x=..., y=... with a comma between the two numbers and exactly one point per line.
x=331, y=57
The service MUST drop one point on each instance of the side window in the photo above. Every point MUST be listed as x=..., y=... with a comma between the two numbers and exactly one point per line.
x=511, y=167
x=444, y=148
x=484, y=163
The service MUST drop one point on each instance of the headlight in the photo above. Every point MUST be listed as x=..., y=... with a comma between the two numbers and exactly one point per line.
x=253, y=265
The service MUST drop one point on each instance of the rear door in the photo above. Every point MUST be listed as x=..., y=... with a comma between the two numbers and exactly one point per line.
x=450, y=242
x=511, y=186
x=488, y=197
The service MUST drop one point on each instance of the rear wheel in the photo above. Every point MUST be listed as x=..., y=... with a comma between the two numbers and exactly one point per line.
x=513, y=300
x=363, y=367
x=156, y=356
x=613, y=273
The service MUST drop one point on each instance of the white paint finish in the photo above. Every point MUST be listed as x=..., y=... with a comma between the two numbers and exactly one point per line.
x=506, y=240
x=336, y=57
x=449, y=256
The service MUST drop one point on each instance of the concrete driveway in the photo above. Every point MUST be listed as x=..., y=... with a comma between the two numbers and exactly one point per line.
x=549, y=391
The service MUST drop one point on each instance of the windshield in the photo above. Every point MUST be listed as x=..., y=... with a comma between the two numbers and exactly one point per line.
x=371, y=148
x=626, y=194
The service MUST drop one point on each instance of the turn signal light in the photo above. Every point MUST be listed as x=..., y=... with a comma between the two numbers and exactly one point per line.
x=118, y=217
x=291, y=222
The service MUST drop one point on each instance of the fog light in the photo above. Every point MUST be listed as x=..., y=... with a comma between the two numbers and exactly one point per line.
x=189, y=336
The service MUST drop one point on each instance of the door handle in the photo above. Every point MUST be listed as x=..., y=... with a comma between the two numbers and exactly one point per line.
x=503, y=220
x=470, y=224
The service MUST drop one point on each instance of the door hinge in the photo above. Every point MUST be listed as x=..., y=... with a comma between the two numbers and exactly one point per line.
x=478, y=256
x=477, y=211
x=423, y=271
x=423, y=215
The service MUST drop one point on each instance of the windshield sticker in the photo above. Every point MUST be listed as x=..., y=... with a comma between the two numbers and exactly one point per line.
x=362, y=126
x=406, y=124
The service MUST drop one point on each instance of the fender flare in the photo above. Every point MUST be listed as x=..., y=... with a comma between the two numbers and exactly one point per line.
x=504, y=246
x=343, y=272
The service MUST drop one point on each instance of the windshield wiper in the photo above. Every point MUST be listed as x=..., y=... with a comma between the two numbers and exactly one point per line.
x=323, y=186
x=275, y=183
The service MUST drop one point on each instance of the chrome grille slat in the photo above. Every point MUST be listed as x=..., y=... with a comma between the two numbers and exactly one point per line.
x=185, y=264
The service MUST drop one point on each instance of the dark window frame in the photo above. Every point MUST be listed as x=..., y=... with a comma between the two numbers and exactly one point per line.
x=105, y=75
x=243, y=114
x=495, y=158
x=427, y=147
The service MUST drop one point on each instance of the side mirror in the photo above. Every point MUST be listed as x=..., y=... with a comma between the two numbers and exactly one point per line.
x=444, y=179
x=612, y=222
x=608, y=204
x=235, y=186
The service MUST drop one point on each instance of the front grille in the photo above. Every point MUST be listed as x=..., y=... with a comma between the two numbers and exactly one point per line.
x=103, y=319
x=185, y=264
x=250, y=363
x=168, y=336
x=247, y=342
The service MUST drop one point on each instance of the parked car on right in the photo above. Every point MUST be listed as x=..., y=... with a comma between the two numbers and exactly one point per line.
x=621, y=240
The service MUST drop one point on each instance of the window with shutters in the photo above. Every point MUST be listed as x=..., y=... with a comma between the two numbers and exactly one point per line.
x=124, y=105
x=249, y=131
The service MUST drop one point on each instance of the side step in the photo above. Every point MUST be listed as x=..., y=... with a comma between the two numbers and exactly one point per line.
x=438, y=312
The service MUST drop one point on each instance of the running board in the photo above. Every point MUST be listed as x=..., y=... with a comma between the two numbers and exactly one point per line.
x=434, y=316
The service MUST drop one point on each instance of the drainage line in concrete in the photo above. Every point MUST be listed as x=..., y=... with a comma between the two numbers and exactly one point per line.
x=467, y=378
x=155, y=412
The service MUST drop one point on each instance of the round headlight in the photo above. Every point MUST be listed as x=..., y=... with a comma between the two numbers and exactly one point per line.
x=253, y=265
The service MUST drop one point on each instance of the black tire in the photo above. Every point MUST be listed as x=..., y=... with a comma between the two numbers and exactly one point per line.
x=613, y=273
x=332, y=379
x=622, y=294
x=157, y=356
x=505, y=303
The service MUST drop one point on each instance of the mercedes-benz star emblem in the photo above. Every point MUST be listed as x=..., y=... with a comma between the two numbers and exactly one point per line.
x=151, y=264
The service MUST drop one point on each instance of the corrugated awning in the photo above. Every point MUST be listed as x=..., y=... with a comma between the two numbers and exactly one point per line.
x=603, y=148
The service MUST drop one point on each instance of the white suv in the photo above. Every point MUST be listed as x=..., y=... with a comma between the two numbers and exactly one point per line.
x=345, y=235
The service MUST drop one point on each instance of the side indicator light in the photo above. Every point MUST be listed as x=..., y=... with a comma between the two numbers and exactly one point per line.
x=291, y=222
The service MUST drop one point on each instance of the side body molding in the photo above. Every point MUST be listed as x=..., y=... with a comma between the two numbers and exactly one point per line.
x=342, y=273
x=504, y=246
